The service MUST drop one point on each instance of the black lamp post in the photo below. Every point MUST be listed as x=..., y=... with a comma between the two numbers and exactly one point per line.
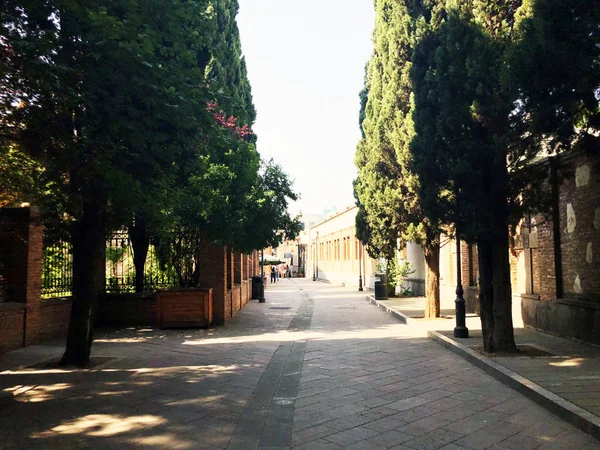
x=317, y=259
x=460, y=330
x=360, y=280
x=314, y=254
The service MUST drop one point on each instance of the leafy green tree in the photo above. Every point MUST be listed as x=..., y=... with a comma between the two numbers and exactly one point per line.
x=557, y=74
x=387, y=185
x=267, y=220
x=105, y=95
x=233, y=154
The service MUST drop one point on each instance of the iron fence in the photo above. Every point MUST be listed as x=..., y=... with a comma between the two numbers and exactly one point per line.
x=120, y=276
x=57, y=270
x=120, y=269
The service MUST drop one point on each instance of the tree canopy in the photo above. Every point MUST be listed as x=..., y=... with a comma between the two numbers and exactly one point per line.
x=130, y=113
x=387, y=186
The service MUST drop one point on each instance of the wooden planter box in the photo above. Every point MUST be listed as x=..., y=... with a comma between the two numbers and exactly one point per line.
x=186, y=308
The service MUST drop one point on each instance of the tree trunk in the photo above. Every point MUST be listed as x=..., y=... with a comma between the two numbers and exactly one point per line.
x=89, y=241
x=432, y=281
x=140, y=242
x=486, y=294
x=504, y=338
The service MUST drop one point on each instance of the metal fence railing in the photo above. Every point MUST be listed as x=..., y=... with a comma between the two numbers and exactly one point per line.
x=120, y=276
x=57, y=270
x=120, y=269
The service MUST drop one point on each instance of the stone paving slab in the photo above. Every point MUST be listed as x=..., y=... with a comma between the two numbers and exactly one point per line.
x=534, y=368
x=331, y=372
x=571, y=373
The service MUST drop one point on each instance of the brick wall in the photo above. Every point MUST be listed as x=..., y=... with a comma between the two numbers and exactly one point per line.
x=577, y=313
x=580, y=226
x=544, y=279
x=53, y=318
x=11, y=325
x=246, y=292
x=25, y=318
x=14, y=258
x=237, y=268
x=236, y=299
x=126, y=310
x=213, y=273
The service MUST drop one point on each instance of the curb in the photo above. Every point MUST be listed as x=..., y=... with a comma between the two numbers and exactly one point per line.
x=401, y=317
x=579, y=417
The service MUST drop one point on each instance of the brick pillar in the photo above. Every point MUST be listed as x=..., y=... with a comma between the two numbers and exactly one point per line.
x=465, y=264
x=21, y=247
x=256, y=268
x=229, y=268
x=238, y=267
x=213, y=273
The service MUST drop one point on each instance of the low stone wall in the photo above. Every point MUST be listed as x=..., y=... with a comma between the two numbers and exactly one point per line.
x=135, y=309
x=53, y=319
x=575, y=319
x=22, y=326
x=130, y=309
x=12, y=317
x=416, y=286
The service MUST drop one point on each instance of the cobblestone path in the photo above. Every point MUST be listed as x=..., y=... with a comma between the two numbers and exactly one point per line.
x=314, y=367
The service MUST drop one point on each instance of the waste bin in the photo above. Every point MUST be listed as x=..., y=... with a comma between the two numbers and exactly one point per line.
x=258, y=289
x=381, y=292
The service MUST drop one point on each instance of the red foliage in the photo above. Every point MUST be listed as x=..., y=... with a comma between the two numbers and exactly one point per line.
x=230, y=122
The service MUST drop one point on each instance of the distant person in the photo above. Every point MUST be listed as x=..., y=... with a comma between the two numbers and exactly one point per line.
x=273, y=274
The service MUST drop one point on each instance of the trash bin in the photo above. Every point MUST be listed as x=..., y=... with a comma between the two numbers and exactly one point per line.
x=258, y=289
x=381, y=292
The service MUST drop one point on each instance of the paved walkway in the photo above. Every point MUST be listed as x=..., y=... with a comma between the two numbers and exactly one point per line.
x=571, y=371
x=314, y=367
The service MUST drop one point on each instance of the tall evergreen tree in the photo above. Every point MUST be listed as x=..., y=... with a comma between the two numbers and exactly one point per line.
x=557, y=71
x=227, y=69
x=387, y=185
x=470, y=153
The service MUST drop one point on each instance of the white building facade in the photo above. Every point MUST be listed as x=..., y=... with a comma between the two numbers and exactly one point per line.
x=335, y=254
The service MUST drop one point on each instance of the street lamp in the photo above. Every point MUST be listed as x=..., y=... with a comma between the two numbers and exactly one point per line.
x=314, y=254
x=461, y=330
x=317, y=259
x=360, y=280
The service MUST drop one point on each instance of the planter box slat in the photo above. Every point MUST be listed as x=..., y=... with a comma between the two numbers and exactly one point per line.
x=184, y=309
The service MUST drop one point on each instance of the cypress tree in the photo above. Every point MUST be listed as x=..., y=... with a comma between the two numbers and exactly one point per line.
x=471, y=154
x=227, y=69
x=556, y=67
x=387, y=185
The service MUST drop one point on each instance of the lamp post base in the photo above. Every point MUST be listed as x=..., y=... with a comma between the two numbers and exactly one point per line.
x=461, y=332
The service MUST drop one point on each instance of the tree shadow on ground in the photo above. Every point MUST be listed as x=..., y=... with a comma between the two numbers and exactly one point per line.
x=156, y=388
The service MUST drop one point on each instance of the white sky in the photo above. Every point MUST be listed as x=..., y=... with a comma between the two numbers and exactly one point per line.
x=306, y=65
